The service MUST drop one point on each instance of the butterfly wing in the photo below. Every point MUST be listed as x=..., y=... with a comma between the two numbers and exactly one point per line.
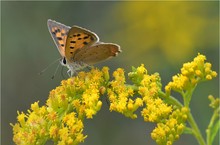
x=77, y=39
x=59, y=33
x=97, y=53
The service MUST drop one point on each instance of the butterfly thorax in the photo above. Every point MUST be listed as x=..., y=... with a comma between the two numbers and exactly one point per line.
x=73, y=66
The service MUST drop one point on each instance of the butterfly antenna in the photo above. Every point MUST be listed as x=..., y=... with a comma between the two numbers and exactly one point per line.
x=55, y=71
x=40, y=73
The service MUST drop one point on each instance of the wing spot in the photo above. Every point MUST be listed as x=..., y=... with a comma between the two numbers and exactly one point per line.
x=71, y=52
x=72, y=41
x=85, y=42
x=71, y=47
x=78, y=35
x=57, y=30
x=79, y=38
x=86, y=37
x=62, y=45
x=91, y=38
x=59, y=38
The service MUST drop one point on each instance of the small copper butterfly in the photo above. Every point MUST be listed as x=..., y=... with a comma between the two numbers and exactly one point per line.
x=80, y=47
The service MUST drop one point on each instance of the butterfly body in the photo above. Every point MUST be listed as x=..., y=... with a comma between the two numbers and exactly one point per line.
x=80, y=47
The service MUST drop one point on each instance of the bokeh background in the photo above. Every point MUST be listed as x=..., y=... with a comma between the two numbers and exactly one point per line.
x=161, y=35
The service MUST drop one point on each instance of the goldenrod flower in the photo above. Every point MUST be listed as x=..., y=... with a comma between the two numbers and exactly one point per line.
x=168, y=131
x=191, y=74
x=61, y=119
x=155, y=110
x=78, y=98
x=121, y=96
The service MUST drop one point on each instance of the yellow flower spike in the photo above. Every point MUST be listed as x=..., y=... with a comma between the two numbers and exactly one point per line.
x=141, y=69
x=99, y=105
x=89, y=113
x=52, y=115
x=172, y=127
x=191, y=74
x=35, y=106
x=130, y=104
x=63, y=134
x=105, y=71
x=139, y=102
x=21, y=118
x=198, y=73
x=180, y=128
x=155, y=110
x=214, y=74
x=80, y=138
x=53, y=131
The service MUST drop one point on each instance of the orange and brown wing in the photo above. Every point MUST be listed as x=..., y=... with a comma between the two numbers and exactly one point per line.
x=59, y=33
x=77, y=39
x=97, y=53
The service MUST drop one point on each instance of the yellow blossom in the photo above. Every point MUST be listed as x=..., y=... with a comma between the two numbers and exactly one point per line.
x=21, y=118
x=169, y=131
x=78, y=98
x=54, y=131
x=141, y=69
x=191, y=74
x=155, y=110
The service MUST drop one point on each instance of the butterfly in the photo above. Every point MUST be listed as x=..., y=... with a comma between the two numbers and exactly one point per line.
x=79, y=47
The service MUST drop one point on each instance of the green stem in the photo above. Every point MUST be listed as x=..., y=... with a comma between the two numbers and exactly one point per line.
x=170, y=100
x=195, y=130
x=210, y=126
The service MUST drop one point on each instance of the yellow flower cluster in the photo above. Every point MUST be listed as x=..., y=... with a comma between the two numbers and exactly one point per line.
x=123, y=101
x=61, y=119
x=191, y=73
x=31, y=126
x=149, y=87
x=155, y=110
x=120, y=96
x=170, y=130
x=77, y=98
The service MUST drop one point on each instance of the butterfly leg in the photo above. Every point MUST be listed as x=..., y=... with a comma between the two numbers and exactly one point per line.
x=89, y=67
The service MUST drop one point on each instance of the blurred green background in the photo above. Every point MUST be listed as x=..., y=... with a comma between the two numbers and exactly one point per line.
x=161, y=35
